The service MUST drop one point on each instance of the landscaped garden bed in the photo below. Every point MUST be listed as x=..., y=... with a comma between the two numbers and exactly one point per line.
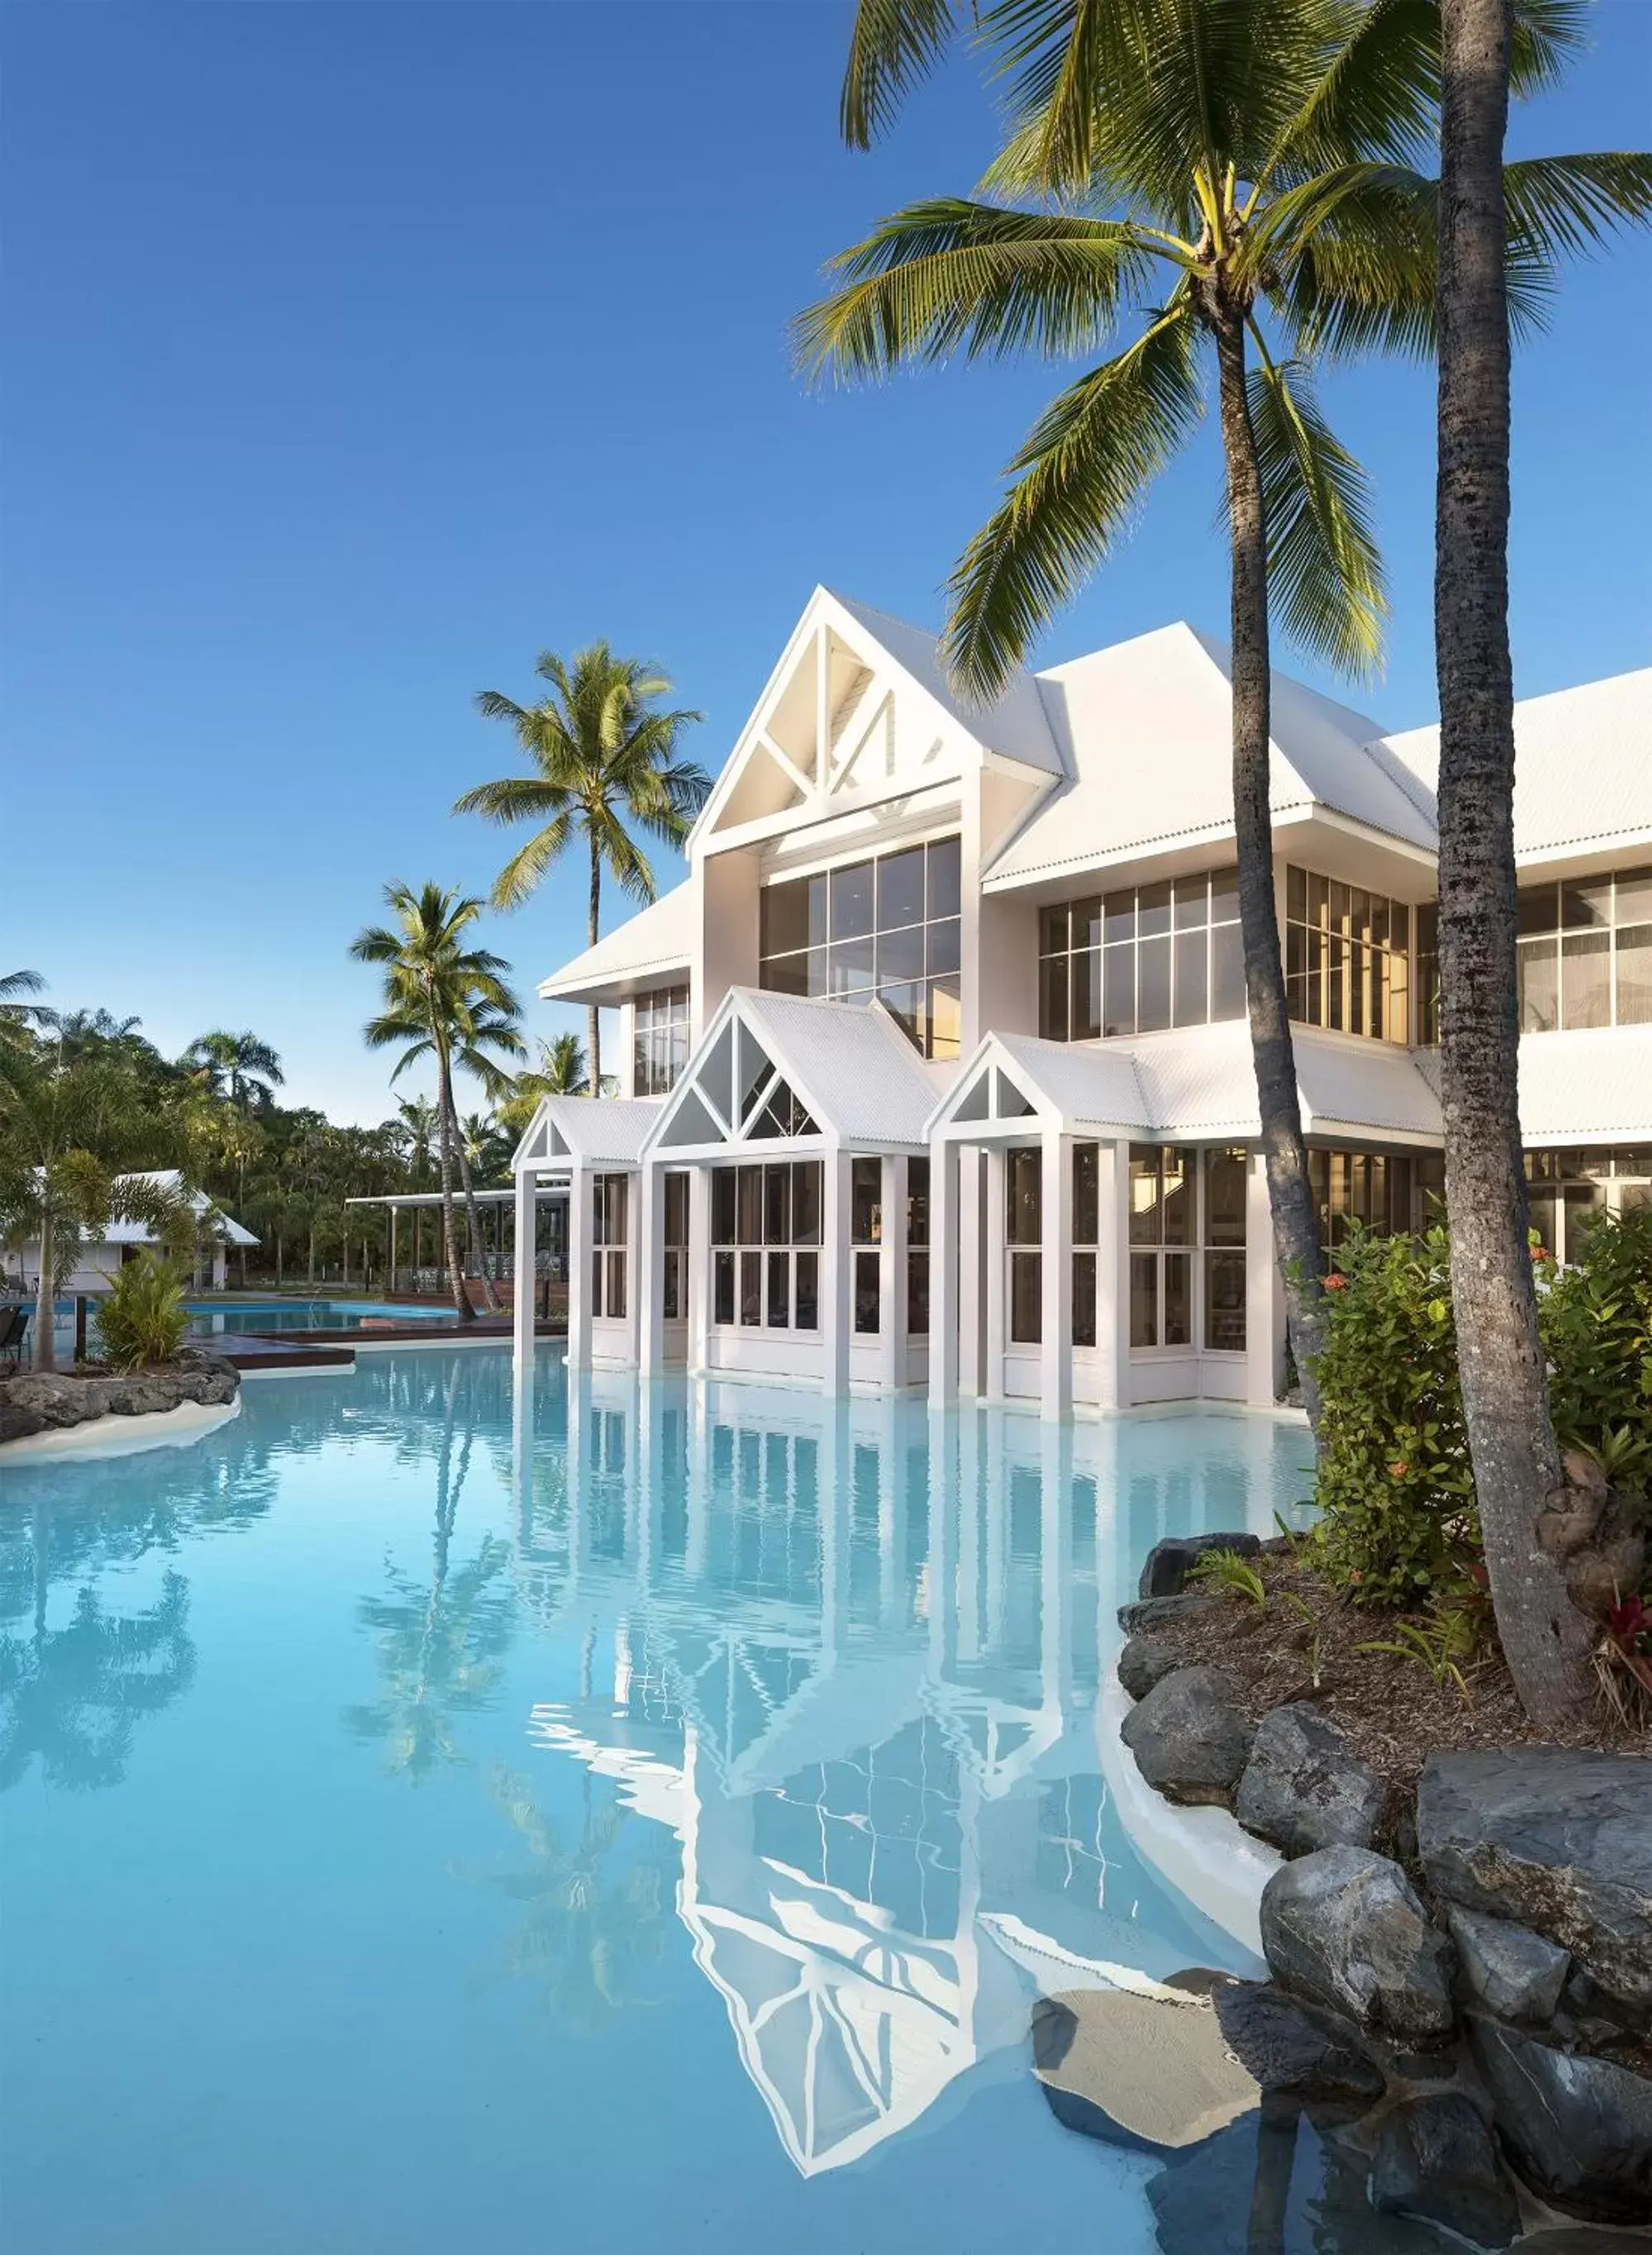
x=1459, y=1937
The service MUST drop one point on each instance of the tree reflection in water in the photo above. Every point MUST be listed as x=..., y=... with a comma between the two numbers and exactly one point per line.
x=72, y=1697
x=439, y=1643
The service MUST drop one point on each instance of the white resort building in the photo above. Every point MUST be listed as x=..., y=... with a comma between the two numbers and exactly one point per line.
x=936, y=1072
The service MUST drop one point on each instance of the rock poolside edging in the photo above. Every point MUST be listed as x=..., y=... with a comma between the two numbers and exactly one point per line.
x=1502, y=2009
x=44, y=1413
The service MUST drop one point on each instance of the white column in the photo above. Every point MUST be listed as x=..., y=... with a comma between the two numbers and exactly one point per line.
x=1264, y=1293
x=699, y=1266
x=970, y=1296
x=648, y=1312
x=944, y=1274
x=1055, y=1371
x=892, y=1278
x=995, y=1273
x=579, y=1268
x=523, y=1288
x=891, y=1514
x=1055, y=1574
x=835, y=1300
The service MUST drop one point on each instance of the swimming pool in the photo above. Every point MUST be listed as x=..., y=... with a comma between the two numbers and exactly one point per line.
x=650, y=1833
x=210, y=1316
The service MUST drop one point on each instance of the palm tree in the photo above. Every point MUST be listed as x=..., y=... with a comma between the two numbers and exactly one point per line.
x=238, y=1066
x=1518, y=1475
x=433, y=986
x=16, y=1015
x=1257, y=158
x=604, y=756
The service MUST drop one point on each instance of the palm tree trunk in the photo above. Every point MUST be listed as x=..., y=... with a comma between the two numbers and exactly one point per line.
x=593, y=1018
x=45, y=1293
x=1285, y=1153
x=310, y=1279
x=462, y=1308
x=1517, y=1473
x=472, y=1219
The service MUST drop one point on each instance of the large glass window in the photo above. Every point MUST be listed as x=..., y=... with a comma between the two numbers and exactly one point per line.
x=674, y=1283
x=610, y=1238
x=1373, y=1188
x=917, y=1248
x=1428, y=975
x=1162, y=1237
x=1138, y=960
x=865, y=1234
x=659, y=1045
x=1568, y=1188
x=1087, y=1229
x=887, y=928
x=1585, y=952
x=1348, y=957
x=765, y=1237
x=1223, y=1232
x=1024, y=1226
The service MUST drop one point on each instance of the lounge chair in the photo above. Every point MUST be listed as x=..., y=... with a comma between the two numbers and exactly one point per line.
x=14, y=1321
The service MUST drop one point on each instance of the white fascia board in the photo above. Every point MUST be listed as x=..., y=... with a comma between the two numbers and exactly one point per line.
x=617, y=986
x=1604, y=850
x=1322, y=1128
x=1077, y=863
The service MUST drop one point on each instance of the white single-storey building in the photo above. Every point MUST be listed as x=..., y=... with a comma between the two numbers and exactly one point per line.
x=935, y=1067
x=102, y=1259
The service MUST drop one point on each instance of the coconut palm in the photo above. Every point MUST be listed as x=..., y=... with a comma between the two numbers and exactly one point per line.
x=605, y=762
x=18, y=1015
x=1517, y=1471
x=433, y=986
x=1251, y=164
x=238, y=1067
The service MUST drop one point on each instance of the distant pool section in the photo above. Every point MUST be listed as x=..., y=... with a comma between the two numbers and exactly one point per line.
x=210, y=1318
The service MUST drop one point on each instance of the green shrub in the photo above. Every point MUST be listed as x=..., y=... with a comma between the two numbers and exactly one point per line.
x=1397, y=1524
x=143, y=1318
x=1596, y=1319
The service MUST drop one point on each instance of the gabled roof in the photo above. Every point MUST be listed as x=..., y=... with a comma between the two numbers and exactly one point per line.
x=170, y=1178
x=1192, y=1087
x=607, y=1130
x=1014, y=723
x=841, y=1070
x=1583, y=766
x=655, y=942
x=1147, y=730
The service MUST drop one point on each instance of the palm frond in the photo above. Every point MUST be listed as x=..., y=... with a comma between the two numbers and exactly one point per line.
x=893, y=45
x=951, y=273
x=1325, y=571
x=1078, y=481
x=1561, y=205
x=525, y=867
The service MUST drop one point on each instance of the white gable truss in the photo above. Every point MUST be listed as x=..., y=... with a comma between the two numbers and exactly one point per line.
x=569, y=1131
x=1012, y=1088
x=843, y=725
x=736, y=1089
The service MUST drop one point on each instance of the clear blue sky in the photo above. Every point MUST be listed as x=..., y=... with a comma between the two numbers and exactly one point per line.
x=353, y=354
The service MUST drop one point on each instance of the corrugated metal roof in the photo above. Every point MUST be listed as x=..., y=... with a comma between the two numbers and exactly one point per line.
x=606, y=1128
x=1014, y=723
x=853, y=1066
x=1583, y=765
x=1092, y=1087
x=660, y=937
x=139, y=1232
x=1147, y=730
x=1592, y=1087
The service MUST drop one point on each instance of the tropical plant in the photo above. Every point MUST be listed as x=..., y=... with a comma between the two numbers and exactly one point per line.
x=1227, y=1570
x=1259, y=156
x=559, y=1072
x=18, y=1015
x=605, y=762
x=1439, y=1644
x=66, y=1125
x=1595, y=1324
x=238, y=1067
x=433, y=984
x=142, y=1319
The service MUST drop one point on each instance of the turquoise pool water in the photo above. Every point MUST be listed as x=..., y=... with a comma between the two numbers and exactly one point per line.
x=210, y=1318
x=649, y=1830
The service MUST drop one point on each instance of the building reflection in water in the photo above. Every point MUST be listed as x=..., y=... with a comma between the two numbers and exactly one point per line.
x=850, y=1656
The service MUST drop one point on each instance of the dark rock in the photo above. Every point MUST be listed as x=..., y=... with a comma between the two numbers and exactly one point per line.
x=1556, y=1841
x=1188, y=1738
x=56, y=1400
x=1582, y=2239
x=141, y=1397
x=1289, y=2045
x=1514, y=1973
x=1344, y=1927
x=1435, y=2160
x=41, y=1401
x=1168, y=1564
x=1578, y=2129
x=17, y=1422
x=1153, y=1612
x=1144, y=1661
x=1304, y=1786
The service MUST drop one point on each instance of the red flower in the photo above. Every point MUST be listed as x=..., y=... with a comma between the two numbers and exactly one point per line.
x=1399, y=1471
x=1629, y=1622
x=1336, y=1284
